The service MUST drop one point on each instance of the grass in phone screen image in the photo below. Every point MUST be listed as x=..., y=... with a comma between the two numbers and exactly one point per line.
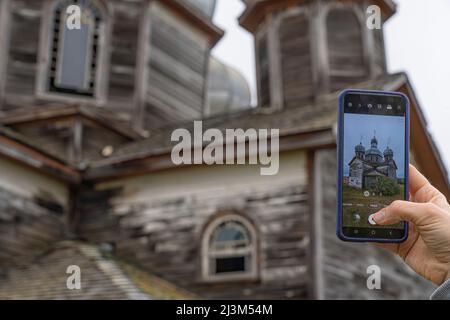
x=374, y=166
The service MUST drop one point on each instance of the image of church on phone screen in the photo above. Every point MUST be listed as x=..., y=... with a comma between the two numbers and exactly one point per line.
x=374, y=165
x=369, y=166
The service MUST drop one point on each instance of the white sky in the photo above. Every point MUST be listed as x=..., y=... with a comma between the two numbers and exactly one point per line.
x=417, y=42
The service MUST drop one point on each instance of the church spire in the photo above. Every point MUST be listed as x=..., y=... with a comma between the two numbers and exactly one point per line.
x=374, y=142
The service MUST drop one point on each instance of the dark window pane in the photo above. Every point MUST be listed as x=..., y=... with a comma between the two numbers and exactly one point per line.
x=74, y=67
x=74, y=53
x=235, y=264
x=230, y=234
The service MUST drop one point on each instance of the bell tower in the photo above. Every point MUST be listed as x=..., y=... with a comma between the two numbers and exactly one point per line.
x=308, y=48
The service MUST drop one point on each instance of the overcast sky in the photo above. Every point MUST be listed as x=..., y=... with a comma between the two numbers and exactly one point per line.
x=417, y=42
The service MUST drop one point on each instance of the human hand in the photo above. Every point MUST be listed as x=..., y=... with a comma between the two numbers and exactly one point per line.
x=427, y=249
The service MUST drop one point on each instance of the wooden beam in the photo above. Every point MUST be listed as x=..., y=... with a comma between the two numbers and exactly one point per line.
x=35, y=159
x=77, y=141
x=316, y=225
x=28, y=114
x=116, y=168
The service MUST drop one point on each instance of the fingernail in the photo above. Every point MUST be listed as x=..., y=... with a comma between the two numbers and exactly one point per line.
x=379, y=216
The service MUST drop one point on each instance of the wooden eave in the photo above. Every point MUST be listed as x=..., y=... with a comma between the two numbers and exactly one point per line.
x=256, y=12
x=195, y=18
x=427, y=156
x=110, y=169
x=12, y=147
x=101, y=117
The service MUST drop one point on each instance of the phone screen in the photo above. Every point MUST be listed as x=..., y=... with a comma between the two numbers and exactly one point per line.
x=374, y=151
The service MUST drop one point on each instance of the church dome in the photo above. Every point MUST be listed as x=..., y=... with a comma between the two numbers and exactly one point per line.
x=206, y=7
x=360, y=148
x=388, y=152
x=374, y=152
x=374, y=141
x=228, y=90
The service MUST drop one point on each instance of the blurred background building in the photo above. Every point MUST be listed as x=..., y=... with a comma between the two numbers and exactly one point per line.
x=85, y=142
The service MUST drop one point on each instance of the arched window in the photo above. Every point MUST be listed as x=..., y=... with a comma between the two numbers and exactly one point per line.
x=345, y=48
x=75, y=51
x=229, y=249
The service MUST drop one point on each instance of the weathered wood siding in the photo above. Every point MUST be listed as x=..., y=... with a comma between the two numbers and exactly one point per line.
x=176, y=62
x=316, y=48
x=32, y=212
x=294, y=35
x=126, y=21
x=178, y=58
x=24, y=28
x=343, y=266
x=262, y=54
x=157, y=221
x=379, y=53
x=347, y=63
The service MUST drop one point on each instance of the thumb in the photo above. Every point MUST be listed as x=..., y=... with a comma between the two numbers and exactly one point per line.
x=398, y=211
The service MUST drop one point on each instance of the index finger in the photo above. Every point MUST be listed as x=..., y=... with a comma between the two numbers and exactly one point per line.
x=420, y=188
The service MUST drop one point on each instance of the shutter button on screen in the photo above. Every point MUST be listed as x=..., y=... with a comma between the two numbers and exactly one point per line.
x=371, y=221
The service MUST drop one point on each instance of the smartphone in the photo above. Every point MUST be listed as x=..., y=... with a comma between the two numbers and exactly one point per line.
x=373, y=163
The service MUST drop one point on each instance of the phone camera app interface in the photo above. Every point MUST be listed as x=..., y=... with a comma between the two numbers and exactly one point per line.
x=374, y=164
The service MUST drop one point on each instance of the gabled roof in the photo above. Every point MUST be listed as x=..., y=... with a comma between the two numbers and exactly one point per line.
x=353, y=160
x=395, y=164
x=102, y=277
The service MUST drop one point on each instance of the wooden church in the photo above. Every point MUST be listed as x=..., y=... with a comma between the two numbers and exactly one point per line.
x=86, y=177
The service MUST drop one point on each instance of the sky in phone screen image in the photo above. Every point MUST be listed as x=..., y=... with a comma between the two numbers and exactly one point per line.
x=374, y=165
